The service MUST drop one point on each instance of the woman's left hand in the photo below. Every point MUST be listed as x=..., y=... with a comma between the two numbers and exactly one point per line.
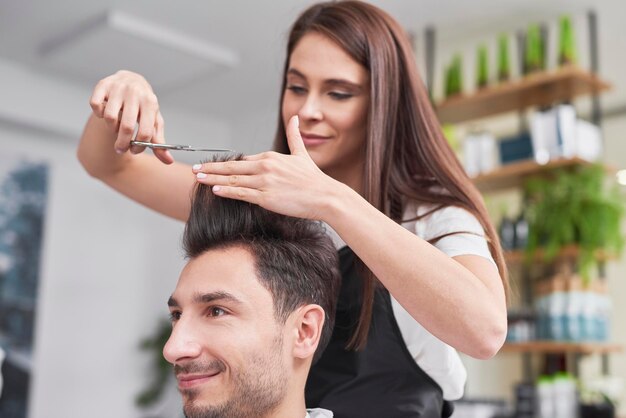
x=288, y=184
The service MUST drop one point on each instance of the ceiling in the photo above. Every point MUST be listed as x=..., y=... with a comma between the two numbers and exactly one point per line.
x=253, y=32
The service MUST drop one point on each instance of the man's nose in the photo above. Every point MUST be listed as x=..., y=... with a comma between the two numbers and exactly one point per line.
x=181, y=345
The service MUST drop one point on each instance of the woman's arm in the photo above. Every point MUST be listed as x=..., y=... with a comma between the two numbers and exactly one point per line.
x=120, y=103
x=458, y=299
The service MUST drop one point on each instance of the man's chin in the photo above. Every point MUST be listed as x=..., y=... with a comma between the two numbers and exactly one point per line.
x=199, y=409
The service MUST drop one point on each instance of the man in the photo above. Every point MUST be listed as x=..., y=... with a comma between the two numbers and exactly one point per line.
x=253, y=308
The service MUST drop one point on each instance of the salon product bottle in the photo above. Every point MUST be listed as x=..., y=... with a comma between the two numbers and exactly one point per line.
x=574, y=310
x=507, y=233
x=556, y=308
x=565, y=396
x=588, y=314
x=603, y=313
x=545, y=397
x=541, y=300
x=521, y=232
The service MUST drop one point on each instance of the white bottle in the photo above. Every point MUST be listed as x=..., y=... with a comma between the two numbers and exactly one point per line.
x=556, y=309
x=588, y=315
x=565, y=396
x=545, y=397
x=574, y=310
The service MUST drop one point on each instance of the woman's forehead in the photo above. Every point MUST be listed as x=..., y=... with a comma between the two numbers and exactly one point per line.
x=317, y=56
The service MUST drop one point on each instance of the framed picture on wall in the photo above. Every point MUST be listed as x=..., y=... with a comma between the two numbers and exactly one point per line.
x=23, y=197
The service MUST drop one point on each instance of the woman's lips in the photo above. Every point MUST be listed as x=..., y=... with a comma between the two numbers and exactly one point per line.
x=190, y=381
x=312, y=140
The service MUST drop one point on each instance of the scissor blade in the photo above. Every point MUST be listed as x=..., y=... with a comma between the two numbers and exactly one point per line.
x=178, y=147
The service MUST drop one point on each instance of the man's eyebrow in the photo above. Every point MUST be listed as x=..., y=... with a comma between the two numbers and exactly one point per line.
x=215, y=296
x=207, y=298
x=330, y=81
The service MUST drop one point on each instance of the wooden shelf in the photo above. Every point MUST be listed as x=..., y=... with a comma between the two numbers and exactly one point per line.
x=569, y=252
x=537, y=89
x=514, y=174
x=561, y=347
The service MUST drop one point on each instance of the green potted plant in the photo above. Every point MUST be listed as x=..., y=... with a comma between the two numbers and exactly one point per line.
x=454, y=77
x=482, y=67
x=567, y=52
x=504, y=65
x=161, y=369
x=533, y=57
x=576, y=207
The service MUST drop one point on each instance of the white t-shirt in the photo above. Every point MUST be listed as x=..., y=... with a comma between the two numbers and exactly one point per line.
x=440, y=361
x=318, y=413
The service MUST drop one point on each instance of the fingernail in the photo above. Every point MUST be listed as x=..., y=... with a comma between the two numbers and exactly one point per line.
x=297, y=121
x=216, y=188
x=197, y=166
x=200, y=175
x=119, y=151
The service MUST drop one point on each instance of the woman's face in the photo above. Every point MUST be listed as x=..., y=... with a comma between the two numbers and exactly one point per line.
x=329, y=92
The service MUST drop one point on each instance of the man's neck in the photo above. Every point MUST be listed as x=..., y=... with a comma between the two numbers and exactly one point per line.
x=293, y=404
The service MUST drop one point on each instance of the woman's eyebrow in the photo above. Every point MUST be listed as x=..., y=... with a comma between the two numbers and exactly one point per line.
x=338, y=82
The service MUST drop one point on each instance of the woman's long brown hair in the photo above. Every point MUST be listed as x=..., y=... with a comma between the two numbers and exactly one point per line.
x=407, y=155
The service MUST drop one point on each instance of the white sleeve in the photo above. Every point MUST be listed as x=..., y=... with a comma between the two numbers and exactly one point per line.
x=467, y=236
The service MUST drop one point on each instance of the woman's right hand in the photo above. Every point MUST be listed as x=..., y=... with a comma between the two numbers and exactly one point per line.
x=124, y=100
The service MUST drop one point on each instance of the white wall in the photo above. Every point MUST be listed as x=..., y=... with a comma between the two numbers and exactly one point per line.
x=108, y=264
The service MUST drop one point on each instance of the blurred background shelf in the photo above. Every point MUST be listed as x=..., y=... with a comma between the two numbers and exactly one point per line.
x=514, y=174
x=545, y=347
x=570, y=252
x=536, y=89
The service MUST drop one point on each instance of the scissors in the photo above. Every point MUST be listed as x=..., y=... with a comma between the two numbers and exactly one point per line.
x=176, y=147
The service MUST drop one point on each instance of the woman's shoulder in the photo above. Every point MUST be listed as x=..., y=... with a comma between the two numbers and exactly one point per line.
x=432, y=218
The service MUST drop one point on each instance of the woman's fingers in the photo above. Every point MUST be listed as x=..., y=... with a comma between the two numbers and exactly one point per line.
x=127, y=124
x=294, y=139
x=159, y=137
x=98, y=100
x=262, y=156
x=233, y=167
x=239, y=193
x=111, y=113
x=146, y=123
x=147, y=119
x=236, y=180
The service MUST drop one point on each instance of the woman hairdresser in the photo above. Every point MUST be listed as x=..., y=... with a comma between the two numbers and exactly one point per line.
x=358, y=147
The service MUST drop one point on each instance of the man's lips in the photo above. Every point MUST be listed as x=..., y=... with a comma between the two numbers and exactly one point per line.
x=186, y=381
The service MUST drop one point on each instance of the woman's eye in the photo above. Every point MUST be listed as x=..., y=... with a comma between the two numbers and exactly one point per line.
x=175, y=316
x=215, y=311
x=339, y=96
x=296, y=89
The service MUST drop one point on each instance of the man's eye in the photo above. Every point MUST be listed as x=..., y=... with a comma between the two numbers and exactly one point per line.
x=296, y=89
x=216, y=311
x=175, y=316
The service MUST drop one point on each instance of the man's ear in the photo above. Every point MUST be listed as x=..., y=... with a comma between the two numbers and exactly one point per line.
x=309, y=323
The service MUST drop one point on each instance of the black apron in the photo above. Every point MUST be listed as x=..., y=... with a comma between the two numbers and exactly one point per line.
x=380, y=381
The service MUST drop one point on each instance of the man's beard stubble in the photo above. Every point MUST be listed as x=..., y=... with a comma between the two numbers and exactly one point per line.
x=256, y=391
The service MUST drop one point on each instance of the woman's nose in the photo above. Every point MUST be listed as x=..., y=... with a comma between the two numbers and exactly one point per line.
x=311, y=108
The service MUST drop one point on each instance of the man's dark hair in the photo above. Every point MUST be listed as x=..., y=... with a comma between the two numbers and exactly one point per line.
x=295, y=259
